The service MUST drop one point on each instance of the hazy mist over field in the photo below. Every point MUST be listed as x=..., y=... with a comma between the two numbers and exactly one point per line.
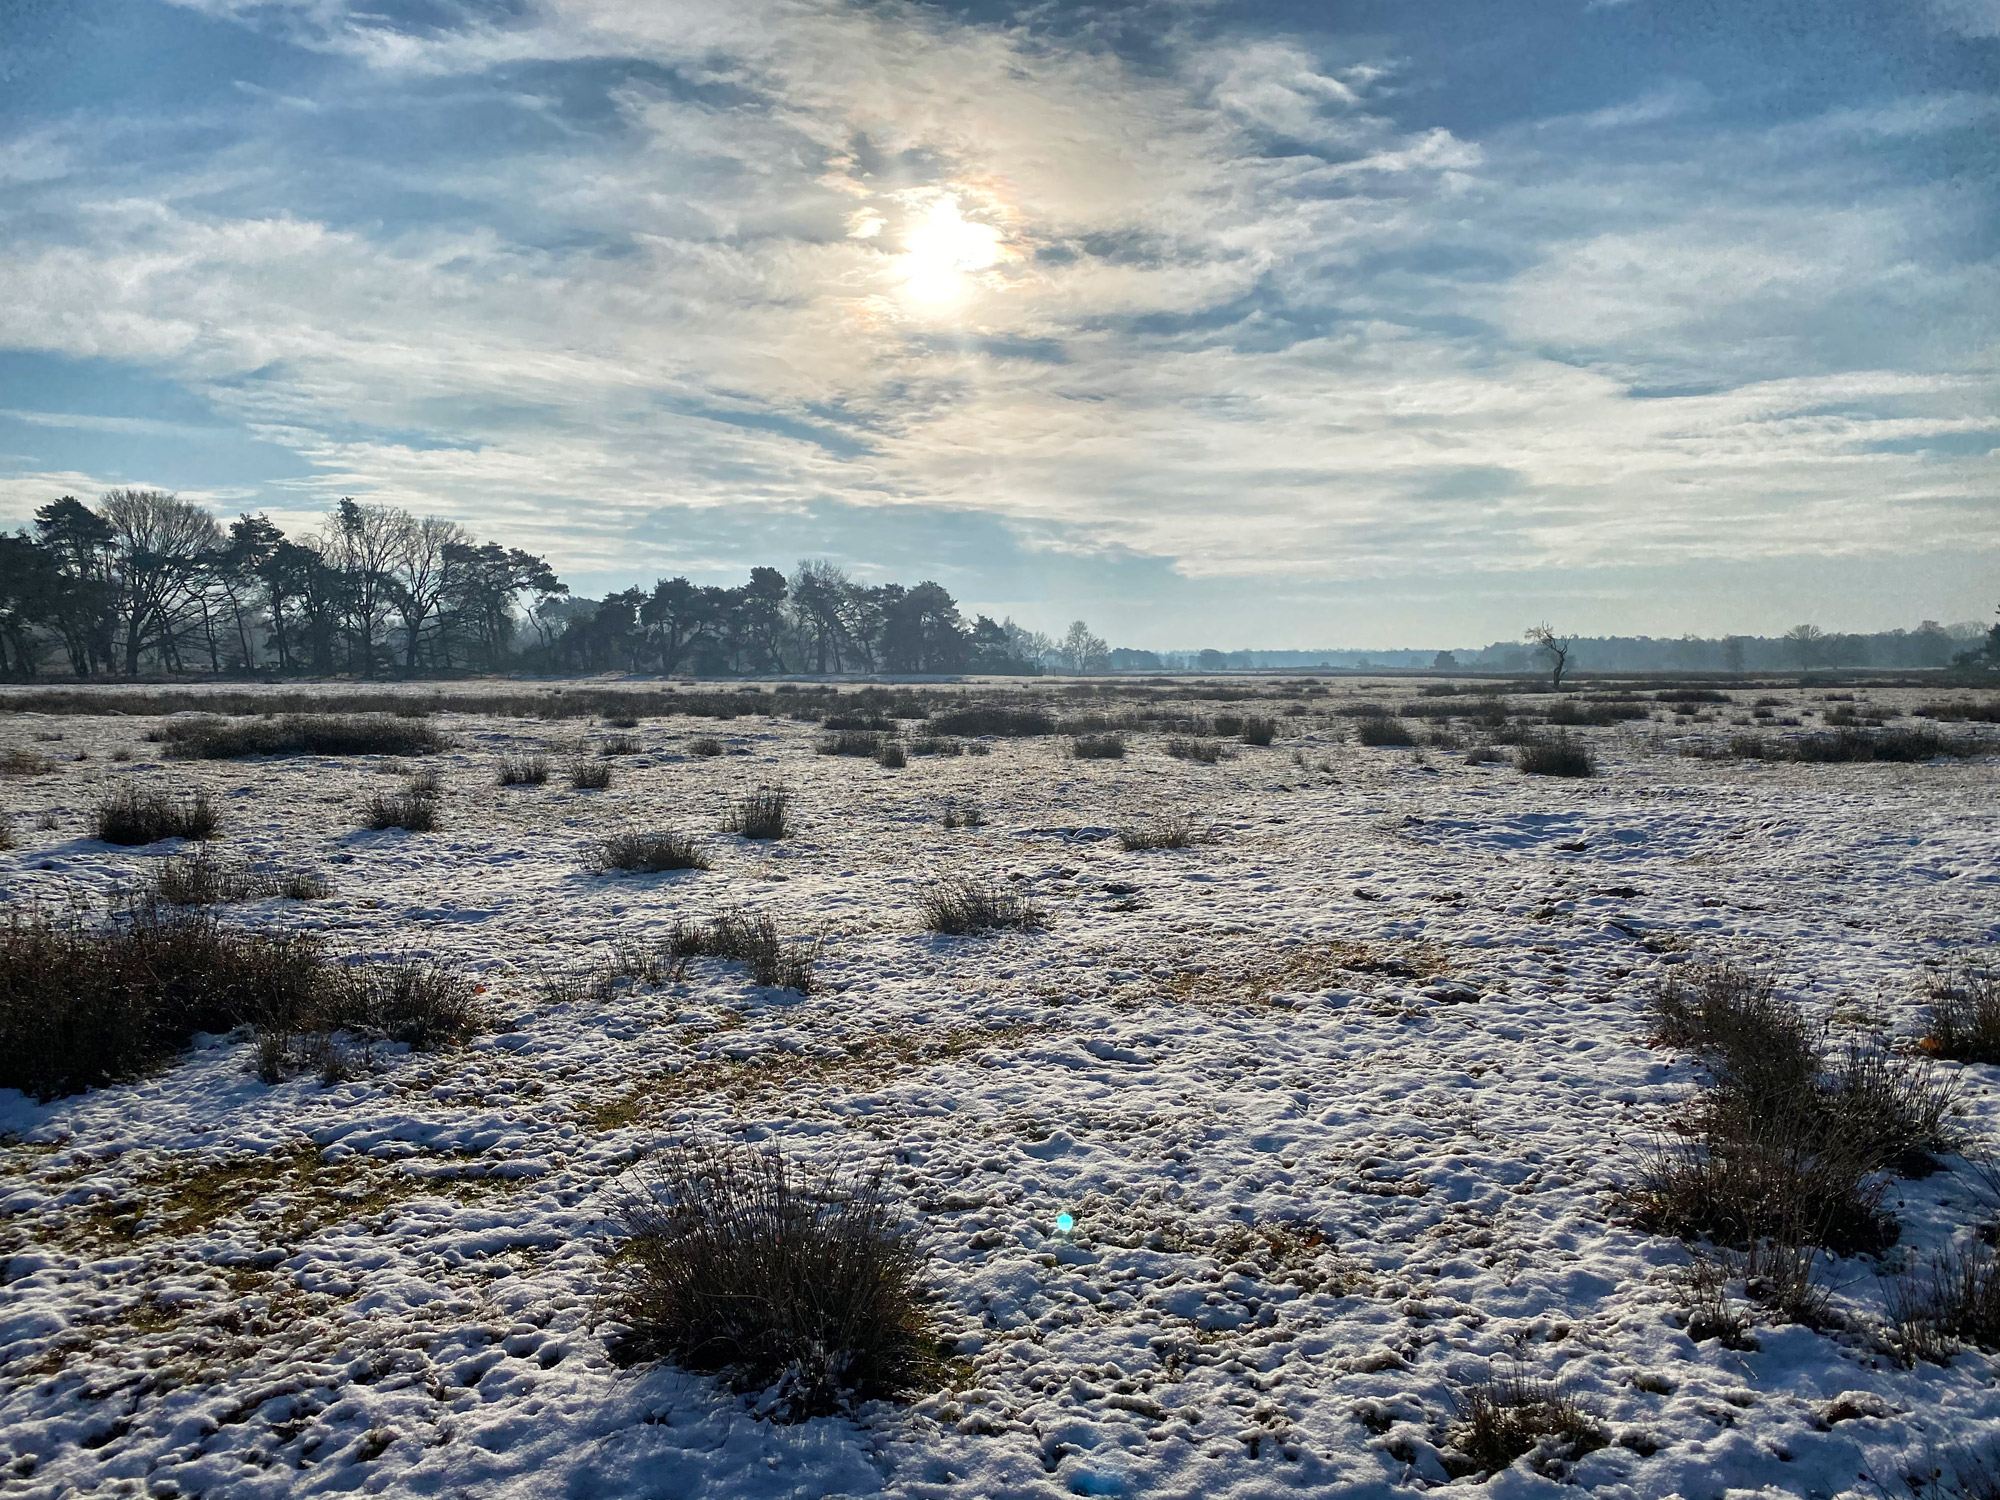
x=1244, y=324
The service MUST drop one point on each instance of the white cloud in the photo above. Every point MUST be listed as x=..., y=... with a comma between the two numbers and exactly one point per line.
x=1395, y=351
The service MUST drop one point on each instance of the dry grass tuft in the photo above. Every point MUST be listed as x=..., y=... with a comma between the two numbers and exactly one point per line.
x=800, y=1283
x=764, y=814
x=647, y=853
x=965, y=908
x=132, y=815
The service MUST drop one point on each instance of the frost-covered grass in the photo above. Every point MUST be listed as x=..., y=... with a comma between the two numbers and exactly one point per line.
x=1300, y=1158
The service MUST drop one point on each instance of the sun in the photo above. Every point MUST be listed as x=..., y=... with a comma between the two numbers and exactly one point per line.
x=939, y=251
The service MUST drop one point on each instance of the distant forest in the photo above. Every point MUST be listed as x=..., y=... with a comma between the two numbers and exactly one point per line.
x=149, y=583
x=146, y=583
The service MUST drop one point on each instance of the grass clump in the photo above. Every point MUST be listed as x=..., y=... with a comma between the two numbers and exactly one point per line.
x=925, y=744
x=133, y=815
x=1946, y=1302
x=413, y=811
x=200, y=879
x=1001, y=723
x=969, y=816
x=969, y=908
x=752, y=941
x=1383, y=733
x=81, y=1006
x=1098, y=747
x=707, y=747
x=800, y=1283
x=1785, y=1148
x=1965, y=1017
x=1168, y=833
x=647, y=853
x=1258, y=731
x=1513, y=1415
x=1554, y=755
x=891, y=756
x=764, y=814
x=856, y=742
x=589, y=775
x=301, y=734
x=17, y=760
x=1201, y=751
x=618, y=744
x=524, y=770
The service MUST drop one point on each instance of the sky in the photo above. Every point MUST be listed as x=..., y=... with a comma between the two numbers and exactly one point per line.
x=1291, y=323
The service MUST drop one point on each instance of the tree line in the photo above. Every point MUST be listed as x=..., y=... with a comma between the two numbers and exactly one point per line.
x=148, y=582
x=818, y=620
x=145, y=582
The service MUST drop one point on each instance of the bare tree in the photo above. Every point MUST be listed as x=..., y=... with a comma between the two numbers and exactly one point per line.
x=1554, y=647
x=1808, y=642
x=420, y=573
x=361, y=543
x=1081, y=650
x=160, y=549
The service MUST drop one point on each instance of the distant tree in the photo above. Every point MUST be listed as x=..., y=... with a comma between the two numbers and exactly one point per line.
x=32, y=589
x=80, y=543
x=421, y=573
x=1732, y=653
x=1808, y=643
x=1082, y=650
x=922, y=631
x=1555, y=648
x=1444, y=661
x=1211, y=660
x=161, y=547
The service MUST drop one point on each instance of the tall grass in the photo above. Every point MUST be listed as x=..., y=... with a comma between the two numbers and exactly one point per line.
x=133, y=815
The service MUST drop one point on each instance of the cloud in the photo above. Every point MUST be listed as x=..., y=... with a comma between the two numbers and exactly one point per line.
x=596, y=261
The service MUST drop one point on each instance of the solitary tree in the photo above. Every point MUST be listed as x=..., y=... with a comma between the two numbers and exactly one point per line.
x=1555, y=648
x=1082, y=651
x=1808, y=642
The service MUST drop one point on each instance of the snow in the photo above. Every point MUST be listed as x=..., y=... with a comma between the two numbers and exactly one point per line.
x=1341, y=1100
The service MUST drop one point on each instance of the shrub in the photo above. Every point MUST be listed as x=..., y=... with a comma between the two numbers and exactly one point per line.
x=891, y=755
x=874, y=723
x=849, y=742
x=753, y=941
x=1513, y=1415
x=1098, y=747
x=618, y=744
x=589, y=775
x=1557, y=755
x=528, y=770
x=1205, y=752
x=707, y=747
x=1484, y=755
x=1945, y=1302
x=83, y=1006
x=301, y=734
x=647, y=853
x=960, y=908
x=761, y=815
x=623, y=721
x=1169, y=833
x=132, y=816
x=929, y=745
x=963, y=817
x=1383, y=732
x=799, y=1282
x=413, y=811
x=1002, y=723
x=1259, y=731
x=1965, y=1017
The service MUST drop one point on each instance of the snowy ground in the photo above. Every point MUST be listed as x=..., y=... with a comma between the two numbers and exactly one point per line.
x=1315, y=1201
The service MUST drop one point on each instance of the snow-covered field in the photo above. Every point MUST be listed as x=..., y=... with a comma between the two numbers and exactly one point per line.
x=1341, y=1100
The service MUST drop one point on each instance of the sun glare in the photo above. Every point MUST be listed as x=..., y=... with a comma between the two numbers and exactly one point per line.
x=939, y=251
